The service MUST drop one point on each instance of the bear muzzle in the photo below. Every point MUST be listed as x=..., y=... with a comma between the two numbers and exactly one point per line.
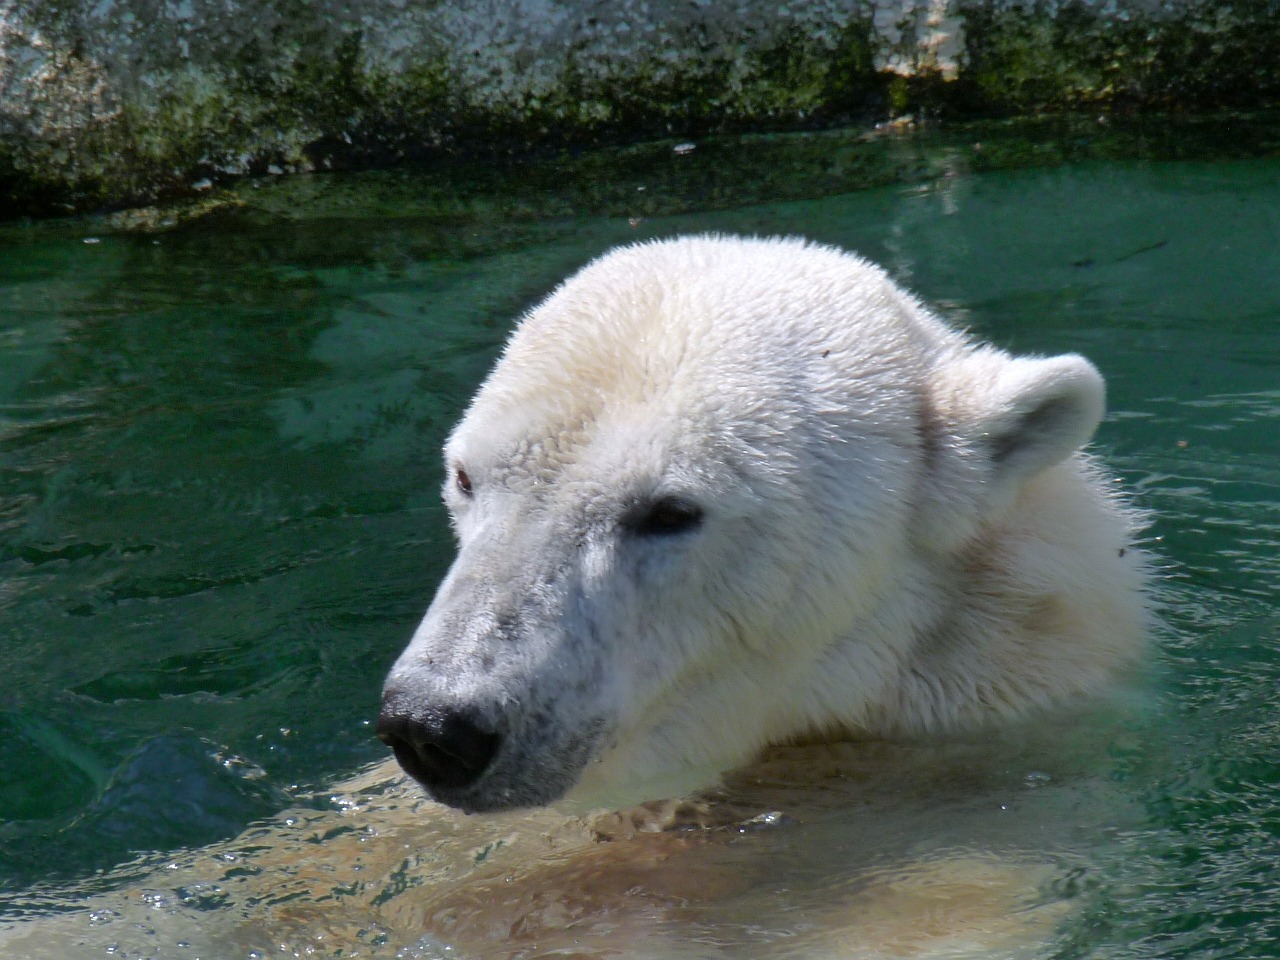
x=478, y=759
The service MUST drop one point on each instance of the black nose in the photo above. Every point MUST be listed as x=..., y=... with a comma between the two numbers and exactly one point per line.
x=444, y=750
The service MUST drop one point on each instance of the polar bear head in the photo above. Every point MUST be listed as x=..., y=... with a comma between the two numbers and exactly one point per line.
x=724, y=492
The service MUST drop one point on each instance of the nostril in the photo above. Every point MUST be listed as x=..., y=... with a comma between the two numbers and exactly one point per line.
x=440, y=749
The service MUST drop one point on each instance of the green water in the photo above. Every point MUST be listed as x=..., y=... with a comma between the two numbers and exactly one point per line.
x=219, y=518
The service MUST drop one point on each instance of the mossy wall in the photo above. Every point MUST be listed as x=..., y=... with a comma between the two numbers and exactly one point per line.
x=113, y=102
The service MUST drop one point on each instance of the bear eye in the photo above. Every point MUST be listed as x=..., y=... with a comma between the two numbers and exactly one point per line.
x=664, y=517
x=462, y=481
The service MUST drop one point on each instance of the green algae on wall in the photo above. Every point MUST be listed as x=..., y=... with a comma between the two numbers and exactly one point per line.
x=122, y=101
x=107, y=103
x=1190, y=55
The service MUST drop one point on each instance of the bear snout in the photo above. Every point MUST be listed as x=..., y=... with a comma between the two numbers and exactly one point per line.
x=444, y=750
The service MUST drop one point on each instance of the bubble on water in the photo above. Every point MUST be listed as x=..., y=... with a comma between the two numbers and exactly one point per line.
x=428, y=948
x=345, y=803
x=238, y=766
x=765, y=821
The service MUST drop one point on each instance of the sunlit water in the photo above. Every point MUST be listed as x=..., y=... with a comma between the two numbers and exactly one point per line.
x=219, y=524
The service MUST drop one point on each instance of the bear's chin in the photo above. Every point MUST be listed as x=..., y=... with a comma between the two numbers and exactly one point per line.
x=497, y=798
x=515, y=782
x=599, y=784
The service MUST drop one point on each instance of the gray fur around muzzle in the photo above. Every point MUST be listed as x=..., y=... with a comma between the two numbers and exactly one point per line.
x=492, y=711
x=468, y=757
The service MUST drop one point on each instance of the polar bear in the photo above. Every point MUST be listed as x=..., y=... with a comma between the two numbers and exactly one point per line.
x=721, y=493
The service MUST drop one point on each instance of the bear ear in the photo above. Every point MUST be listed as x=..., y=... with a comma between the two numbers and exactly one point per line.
x=1037, y=413
x=998, y=420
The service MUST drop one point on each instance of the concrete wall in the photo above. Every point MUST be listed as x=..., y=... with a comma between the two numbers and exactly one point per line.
x=111, y=102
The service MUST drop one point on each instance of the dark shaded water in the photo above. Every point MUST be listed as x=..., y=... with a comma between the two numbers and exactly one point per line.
x=219, y=520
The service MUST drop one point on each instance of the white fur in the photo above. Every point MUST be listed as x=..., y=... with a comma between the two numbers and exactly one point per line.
x=900, y=535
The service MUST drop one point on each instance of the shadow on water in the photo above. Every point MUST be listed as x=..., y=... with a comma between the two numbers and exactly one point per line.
x=219, y=523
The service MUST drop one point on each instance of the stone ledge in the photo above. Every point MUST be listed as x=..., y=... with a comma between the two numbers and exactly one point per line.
x=115, y=102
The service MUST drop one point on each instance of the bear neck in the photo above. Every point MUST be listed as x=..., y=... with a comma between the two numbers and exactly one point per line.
x=1041, y=606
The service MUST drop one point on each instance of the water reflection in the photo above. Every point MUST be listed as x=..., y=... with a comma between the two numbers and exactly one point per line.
x=961, y=849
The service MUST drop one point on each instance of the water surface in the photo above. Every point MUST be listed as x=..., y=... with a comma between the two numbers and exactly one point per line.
x=219, y=523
